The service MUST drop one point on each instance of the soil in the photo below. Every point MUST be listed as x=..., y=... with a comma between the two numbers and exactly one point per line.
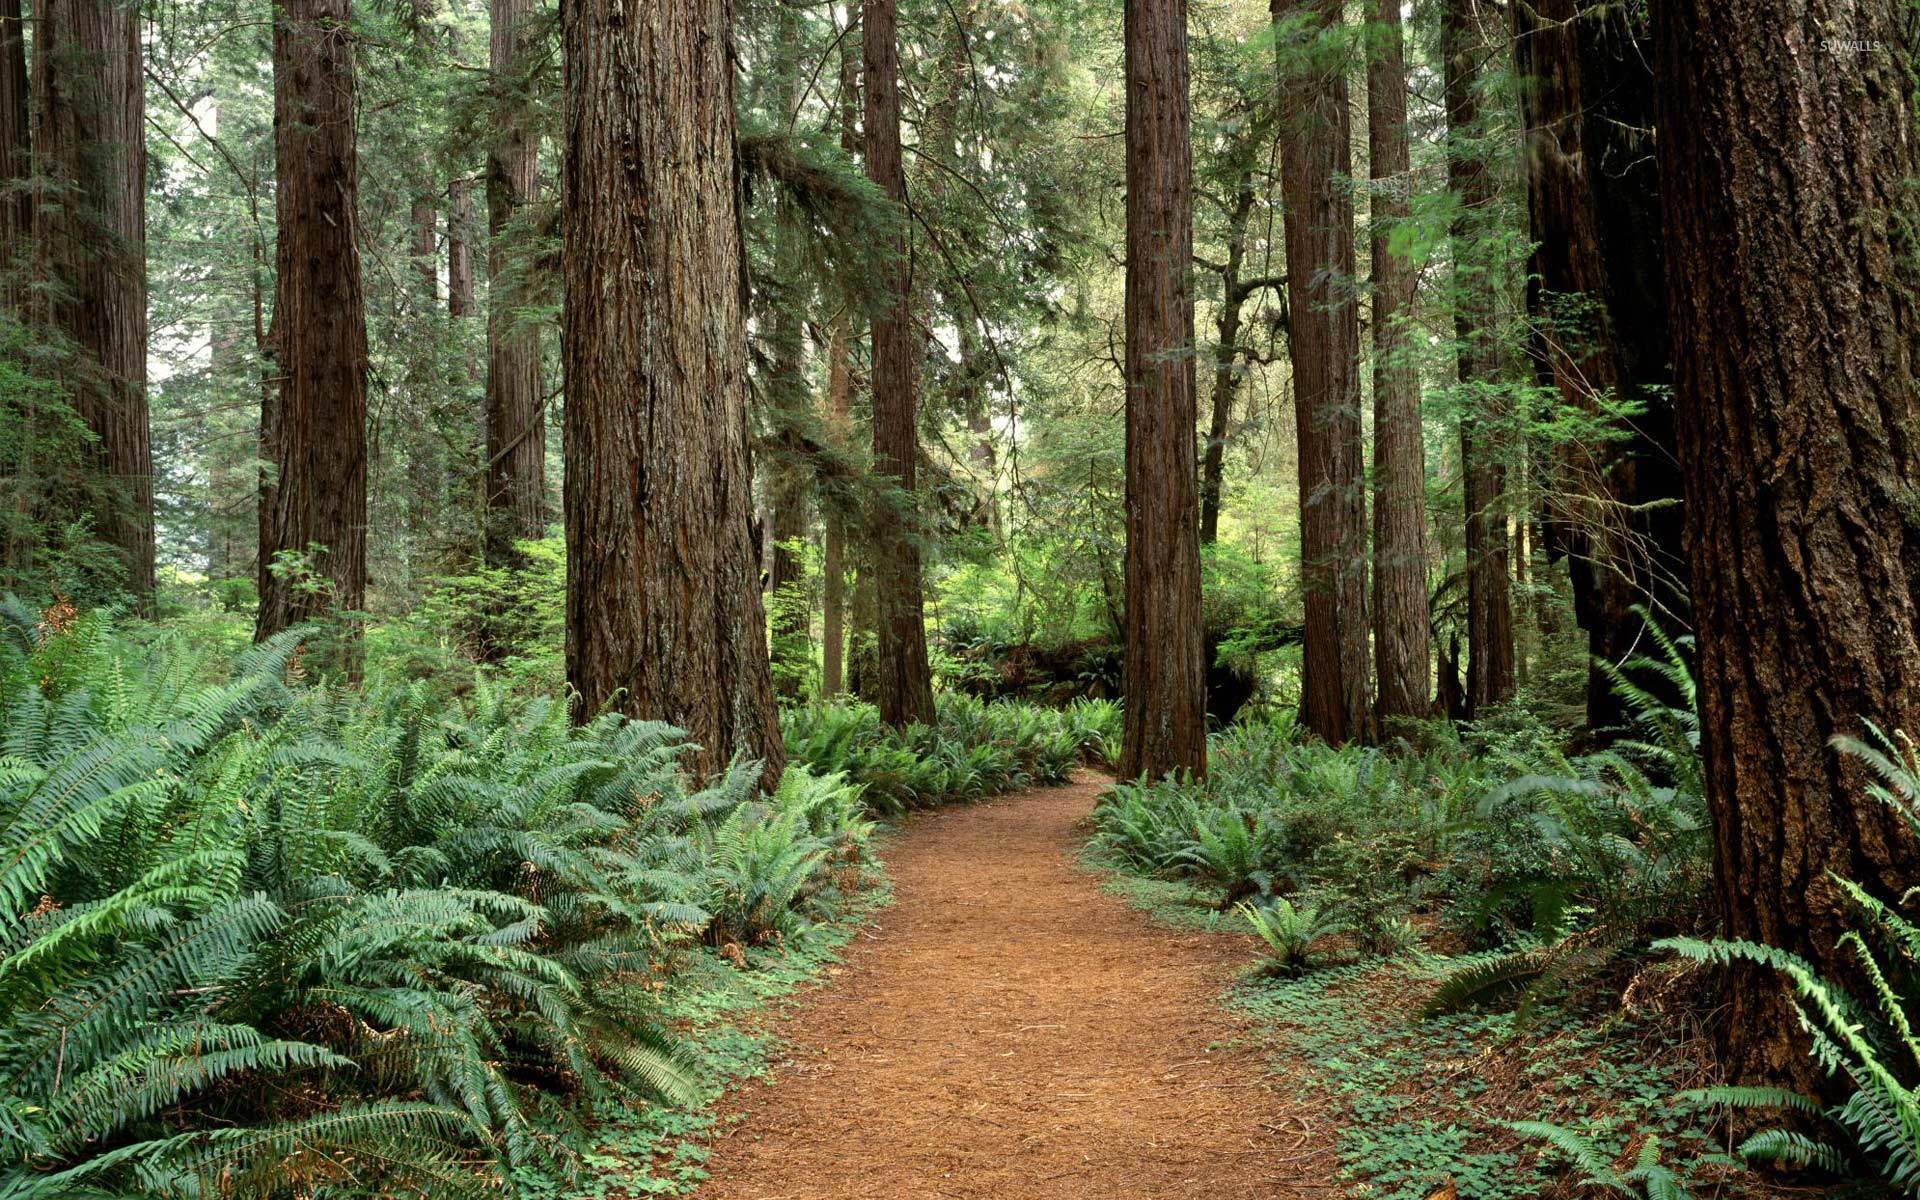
x=1009, y=1030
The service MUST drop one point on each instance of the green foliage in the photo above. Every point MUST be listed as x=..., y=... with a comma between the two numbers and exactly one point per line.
x=1289, y=931
x=1648, y=1177
x=263, y=936
x=975, y=749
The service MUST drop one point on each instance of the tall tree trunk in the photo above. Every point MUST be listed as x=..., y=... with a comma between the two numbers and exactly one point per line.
x=1791, y=285
x=1165, y=664
x=1594, y=200
x=1402, y=619
x=459, y=247
x=516, y=433
x=1489, y=588
x=1226, y=358
x=906, y=682
x=833, y=556
x=16, y=161
x=314, y=428
x=90, y=148
x=1316, y=160
x=664, y=618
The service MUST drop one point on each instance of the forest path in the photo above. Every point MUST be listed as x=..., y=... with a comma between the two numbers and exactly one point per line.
x=1010, y=1030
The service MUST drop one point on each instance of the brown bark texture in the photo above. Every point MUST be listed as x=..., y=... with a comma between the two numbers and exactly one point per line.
x=1164, y=669
x=1402, y=617
x=664, y=618
x=1489, y=587
x=1316, y=162
x=16, y=142
x=833, y=553
x=460, y=281
x=315, y=434
x=516, y=429
x=89, y=149
x=1786, y=162
x=1598, y=306
x=905, y=681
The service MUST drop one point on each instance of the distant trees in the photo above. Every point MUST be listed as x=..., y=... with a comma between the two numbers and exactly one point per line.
x=1791, y=284
x=664, y=614
x=1165, y=665
x=905, y=682
x=516, y=430
x=89, y=152
x=1324, y=342
x=313, y=499
x=1401, y=615
x=1490, y=663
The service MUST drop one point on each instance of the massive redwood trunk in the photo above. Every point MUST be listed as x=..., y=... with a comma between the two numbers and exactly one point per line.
x=1599, y=303
x=905, y=682
x=90, y=231
x=1316, y=162
x=664, y=618
x=516, y=430
x=314, y=504
x=1165, y=664
x=1786, y=164
x=1402, y=620
x=1489, y=582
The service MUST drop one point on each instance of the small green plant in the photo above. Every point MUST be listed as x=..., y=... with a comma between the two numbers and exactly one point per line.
x=1648, y=1177
x=1290, y=931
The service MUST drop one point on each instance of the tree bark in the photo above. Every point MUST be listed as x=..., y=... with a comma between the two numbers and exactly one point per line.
x=460, y=280
x=664, y=619
x=314, y=424
x=1598, y=299
x=1165, y=664
x=90, y=149
x=833, y=565
x=1791, y=287
x=905, y=682
x=1489, y=586
x=1402, y=618
x=16, y=162
x=516, y=432
x=1316, y=160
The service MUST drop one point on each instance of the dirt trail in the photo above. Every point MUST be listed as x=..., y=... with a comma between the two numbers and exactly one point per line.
x=1009, y=1030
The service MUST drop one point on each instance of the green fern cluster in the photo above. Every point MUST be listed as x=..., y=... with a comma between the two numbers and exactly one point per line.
x=975, y=748
x=268, y=939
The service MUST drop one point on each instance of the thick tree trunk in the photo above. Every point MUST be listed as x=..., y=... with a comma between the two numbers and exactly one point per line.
x=664, y=618
x=516, y=431
x=90, y=149
x=1594, y=200
x=1316, y=162
x=906, y=682
x=1489, y=586
x=1402, y=619
x=1791, y=286
x=1165, y=665
x=314, y=426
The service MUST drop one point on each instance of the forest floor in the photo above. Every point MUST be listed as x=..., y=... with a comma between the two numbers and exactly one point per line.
x=1008, y=1029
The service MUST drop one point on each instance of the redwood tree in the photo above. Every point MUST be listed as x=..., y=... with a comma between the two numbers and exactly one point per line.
x=1401, y=615
x=516, y=434
x=1323, y=323
x=1489, y=586
x=1791, y=286
x=664, y=618
x=16, y=205
x=1598, y=302
x=1165, y=663
x=313, y=427
x=89, y=147
x=905, y=682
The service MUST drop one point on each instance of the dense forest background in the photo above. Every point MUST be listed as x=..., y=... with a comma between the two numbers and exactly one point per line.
x=1529, y=382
